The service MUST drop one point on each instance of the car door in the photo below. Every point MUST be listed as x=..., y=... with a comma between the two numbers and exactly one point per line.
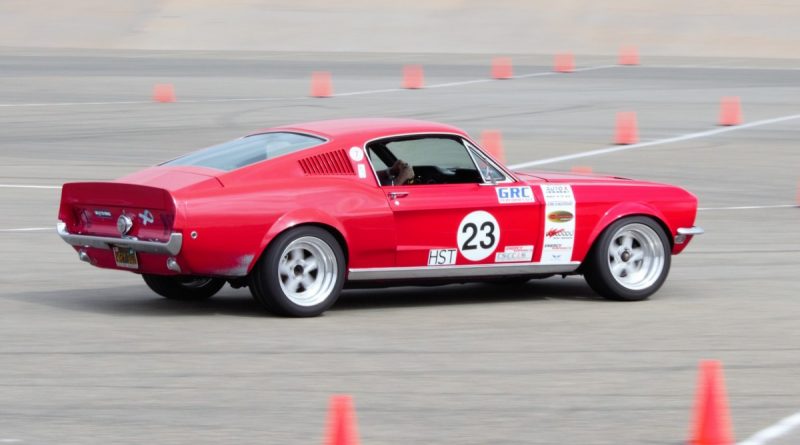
x=460, y=209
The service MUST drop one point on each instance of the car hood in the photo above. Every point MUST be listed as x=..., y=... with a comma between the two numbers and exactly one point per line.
x=573, y=178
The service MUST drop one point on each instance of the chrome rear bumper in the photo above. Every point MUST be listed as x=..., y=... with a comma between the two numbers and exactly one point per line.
x=171, y=247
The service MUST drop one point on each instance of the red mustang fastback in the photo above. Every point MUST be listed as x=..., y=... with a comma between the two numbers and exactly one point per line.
x=298, y=212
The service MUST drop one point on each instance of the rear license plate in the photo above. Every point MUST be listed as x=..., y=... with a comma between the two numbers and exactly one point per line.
x=125, y=257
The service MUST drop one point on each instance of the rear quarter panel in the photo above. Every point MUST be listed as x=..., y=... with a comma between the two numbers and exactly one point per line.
x=235, y=224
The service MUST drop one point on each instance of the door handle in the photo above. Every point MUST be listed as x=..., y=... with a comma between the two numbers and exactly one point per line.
x=395, y=195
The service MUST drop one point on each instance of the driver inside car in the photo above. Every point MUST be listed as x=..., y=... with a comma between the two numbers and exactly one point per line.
x=400, y=173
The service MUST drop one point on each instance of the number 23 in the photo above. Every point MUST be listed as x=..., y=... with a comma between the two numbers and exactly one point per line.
x=487, y=239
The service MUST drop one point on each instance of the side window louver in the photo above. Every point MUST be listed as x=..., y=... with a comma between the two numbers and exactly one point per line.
x=331, y=163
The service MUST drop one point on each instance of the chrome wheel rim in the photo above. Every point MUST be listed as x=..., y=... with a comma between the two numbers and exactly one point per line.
x=307, y=271
x=636, y=256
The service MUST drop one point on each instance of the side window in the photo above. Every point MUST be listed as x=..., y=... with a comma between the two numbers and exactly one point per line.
x=429, y=159
x=247, y=150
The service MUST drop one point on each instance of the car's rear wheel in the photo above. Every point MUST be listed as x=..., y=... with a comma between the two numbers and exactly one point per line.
x=630, y=260
x=184, y=287
x=301, y=274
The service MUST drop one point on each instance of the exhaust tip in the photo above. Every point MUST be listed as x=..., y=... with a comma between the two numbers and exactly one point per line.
x=83, y=256
x=172, y=264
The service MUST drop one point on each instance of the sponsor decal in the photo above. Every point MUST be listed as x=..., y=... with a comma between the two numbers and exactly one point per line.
x=514, y=195
x=356, y=154
x=559, y=224
x=514, y=254
x=102, y=213
x=146, y=217
x=478, y=235
x=560, y=216
x=441, y=257
x=559, y=233
x=362, y=171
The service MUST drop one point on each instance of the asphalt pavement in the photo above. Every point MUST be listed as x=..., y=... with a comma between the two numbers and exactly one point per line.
x=92, y=356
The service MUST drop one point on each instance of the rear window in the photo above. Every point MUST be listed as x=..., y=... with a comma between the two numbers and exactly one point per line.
x=247, y=150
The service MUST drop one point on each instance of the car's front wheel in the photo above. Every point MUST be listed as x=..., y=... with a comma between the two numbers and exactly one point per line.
x=630, y=260
x=183, y=287
x=301, y=274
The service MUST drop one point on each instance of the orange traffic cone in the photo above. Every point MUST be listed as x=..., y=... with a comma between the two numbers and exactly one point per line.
x=798, y=193
x=321, y=85
x=712, y=424
x=413, y=77
x=628, y=55
x=492, y=142
x=730, y=111
x=164, y=92
x=502, y=68
x=341, y=422
x=564, y=63
x=627, y=132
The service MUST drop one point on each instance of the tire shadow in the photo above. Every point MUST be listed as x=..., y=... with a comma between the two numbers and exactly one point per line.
x=572, y=288
x=135, y=300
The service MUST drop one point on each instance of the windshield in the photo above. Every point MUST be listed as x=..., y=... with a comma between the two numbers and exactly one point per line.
x=247, y=150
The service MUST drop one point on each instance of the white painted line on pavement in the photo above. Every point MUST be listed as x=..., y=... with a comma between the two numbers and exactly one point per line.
x=774, y=206
x=671, y=140
x=30, y=229
x=773, y=432
x=64, y=104
x=253, y=99
x=25, y=186
x=723, y=67
x=521, y=76
x=10, y=440
x=455, y=84
x=359, y=93
x=592, y=68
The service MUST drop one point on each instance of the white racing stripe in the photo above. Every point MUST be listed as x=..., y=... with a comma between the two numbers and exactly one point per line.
x=773, y=432
x=671, y=140
x=255, y=99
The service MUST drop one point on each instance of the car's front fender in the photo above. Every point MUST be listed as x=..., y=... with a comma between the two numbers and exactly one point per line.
x=623, y=210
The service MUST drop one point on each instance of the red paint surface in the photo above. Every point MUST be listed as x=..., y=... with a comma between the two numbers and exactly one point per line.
x=237, y=213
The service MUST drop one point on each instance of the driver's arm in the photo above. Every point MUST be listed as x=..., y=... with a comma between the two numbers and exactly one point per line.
x=401, y=173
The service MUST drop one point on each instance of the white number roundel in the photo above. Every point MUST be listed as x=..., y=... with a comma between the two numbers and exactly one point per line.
x=478, y=235
x=356, y=154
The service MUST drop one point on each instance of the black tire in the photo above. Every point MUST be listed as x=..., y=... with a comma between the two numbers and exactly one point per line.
x=279, y=279
x=185, y=288
x=609, y=274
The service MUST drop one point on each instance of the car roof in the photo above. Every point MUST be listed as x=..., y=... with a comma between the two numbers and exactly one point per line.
x=367, y=128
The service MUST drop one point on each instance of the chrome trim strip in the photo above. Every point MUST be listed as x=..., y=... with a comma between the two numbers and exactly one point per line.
x=171, y=247
x=479, y=270
x=695, y=230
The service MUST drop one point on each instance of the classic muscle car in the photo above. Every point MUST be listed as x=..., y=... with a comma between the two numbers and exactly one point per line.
x=298, y=212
